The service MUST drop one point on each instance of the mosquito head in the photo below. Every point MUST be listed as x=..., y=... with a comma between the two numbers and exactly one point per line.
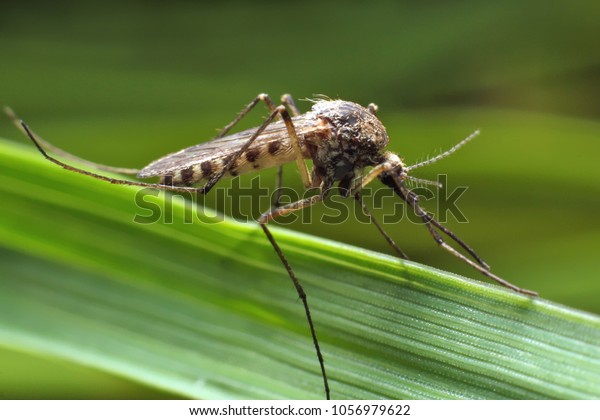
x=398, y=172
x=395, y=172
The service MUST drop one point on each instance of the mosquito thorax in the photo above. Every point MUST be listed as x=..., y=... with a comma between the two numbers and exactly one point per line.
x=356, y=140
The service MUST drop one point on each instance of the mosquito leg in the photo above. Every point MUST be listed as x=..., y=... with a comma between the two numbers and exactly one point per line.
x=289, y=124
x=288, y=101
x=260, y=97
x=278, y=186
x=49, y=146
x=272, y=214
x=304, y=300
x=390, y=162
x=128, y=171
x=459, y=241
x=71, y=168
x=263, y=220
x=387, y=237
x=389, y=180
x=278, y=111
x=412, y=200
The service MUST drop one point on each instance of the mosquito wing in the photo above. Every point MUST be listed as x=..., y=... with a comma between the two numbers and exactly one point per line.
x=271, y=148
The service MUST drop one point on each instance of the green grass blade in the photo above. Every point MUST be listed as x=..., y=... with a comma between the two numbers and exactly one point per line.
x=205, y=309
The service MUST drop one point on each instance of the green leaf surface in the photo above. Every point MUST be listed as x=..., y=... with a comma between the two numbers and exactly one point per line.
x=205, y=309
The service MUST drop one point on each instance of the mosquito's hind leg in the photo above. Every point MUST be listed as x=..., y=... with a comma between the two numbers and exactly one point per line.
x=49, y=146
x=117, y=181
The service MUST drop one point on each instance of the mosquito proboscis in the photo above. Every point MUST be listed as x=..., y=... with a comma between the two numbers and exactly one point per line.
x=341, y=139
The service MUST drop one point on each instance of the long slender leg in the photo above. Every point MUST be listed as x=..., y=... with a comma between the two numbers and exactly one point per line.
x=272, y=214
x=263, y=220
x=260, y=97
x=390, y=162
x=278, y=187
x=288, y=101
x=289, y=124
x=412, y=200
x=459, y=241
x=129, y=171
x=387, y=237
x=49, y=146
x=385, y=170
x=280, y=110
x=102, y=177
x=391, y=181
x=277, y=210
x=200, y=190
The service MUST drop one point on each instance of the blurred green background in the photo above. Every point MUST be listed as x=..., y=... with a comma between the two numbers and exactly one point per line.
x=123, y=83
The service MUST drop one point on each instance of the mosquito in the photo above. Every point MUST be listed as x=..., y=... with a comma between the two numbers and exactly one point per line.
x=341, y=139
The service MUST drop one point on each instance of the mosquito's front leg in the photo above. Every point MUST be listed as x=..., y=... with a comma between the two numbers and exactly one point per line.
x=391, y=161
x=412, y=200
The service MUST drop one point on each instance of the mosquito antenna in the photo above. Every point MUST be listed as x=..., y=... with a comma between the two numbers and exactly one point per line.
x=444, y=154
x=422, y=181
